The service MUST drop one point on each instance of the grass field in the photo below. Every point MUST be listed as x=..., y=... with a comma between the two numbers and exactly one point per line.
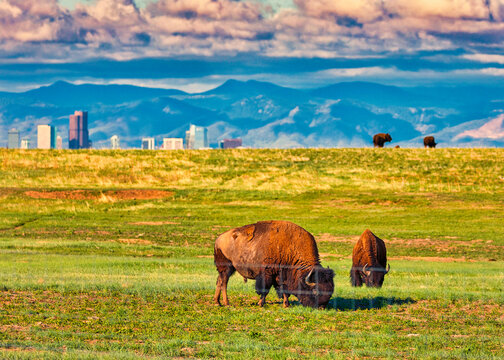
x=108, y=254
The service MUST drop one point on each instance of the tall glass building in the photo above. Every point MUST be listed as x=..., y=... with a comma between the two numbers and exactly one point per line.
x=78, y=134
x=197, y=137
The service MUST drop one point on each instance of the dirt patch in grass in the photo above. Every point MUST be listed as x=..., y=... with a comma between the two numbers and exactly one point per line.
x=431, y=258
x=412, y=258
x=331, y=238
x=326, y=255
x=134, y=241
x=444, y=246
x=95, y=195
x=448, y=242
x=15, y=328
x=155, y=223
x=460, y=311
x=16, y=349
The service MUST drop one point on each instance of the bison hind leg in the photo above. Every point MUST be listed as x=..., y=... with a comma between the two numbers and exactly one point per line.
x=225, y=269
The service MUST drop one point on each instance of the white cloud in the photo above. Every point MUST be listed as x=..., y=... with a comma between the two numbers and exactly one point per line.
x=120, y=30
x=485, y=58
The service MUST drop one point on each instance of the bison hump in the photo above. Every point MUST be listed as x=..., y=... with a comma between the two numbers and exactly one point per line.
x=246, y=231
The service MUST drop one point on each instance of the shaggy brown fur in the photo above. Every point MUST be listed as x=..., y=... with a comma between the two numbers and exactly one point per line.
x=274, y=253
x=380, y=139
x=370, y=250
x=429, y=141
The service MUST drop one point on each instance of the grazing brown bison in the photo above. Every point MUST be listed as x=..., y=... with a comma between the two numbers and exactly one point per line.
x=428, y=141
x=369, y=261
x=274, y=253
x=380, y=139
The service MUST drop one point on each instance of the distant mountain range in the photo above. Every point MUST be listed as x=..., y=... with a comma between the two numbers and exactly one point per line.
x=266, y=115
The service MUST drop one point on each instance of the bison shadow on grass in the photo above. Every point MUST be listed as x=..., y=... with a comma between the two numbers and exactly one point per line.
x=345, y=304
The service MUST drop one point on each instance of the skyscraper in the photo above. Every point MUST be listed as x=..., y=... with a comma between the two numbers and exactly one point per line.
x=197, y=137
x=173, y=144
x=114, y=142
x=148, y=144
x=13, y=139
x=59, y=143
x=78, y=134
x=46, y=137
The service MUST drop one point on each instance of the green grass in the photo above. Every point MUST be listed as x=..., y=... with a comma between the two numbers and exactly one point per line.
x=107, y=277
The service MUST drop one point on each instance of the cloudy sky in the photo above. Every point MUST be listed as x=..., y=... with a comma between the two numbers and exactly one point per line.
x=196, y=44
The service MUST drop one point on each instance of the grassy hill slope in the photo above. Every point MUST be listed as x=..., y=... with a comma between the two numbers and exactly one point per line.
x=108, y=254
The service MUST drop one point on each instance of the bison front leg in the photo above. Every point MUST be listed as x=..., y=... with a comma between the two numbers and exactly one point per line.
x=263, y=286
x=285, y=300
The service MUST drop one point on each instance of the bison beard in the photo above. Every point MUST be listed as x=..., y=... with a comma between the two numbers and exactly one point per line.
x=276, y=254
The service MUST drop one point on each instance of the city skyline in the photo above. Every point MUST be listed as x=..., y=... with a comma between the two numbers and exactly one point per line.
x=47, y=138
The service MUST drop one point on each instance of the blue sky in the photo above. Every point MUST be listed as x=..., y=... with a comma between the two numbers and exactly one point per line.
x=197, y=44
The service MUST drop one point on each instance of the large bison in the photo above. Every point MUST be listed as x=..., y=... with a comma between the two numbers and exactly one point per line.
x=274, y=253
x=380, y=139
x=369, y=259
x=428, y=141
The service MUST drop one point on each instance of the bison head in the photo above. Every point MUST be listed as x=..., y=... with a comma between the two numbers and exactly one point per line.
x=374, y=276
x=316, y=287
x=388, y=137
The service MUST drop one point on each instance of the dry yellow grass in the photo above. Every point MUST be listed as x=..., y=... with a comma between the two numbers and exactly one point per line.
x=300, y=170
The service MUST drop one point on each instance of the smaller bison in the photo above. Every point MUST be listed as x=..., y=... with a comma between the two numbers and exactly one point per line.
x=369, y=261
x=428, y=141
x=380, y=139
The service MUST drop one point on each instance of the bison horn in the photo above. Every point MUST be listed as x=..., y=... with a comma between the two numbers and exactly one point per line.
x=388, y=269
x=366, y=272
x=307, y=278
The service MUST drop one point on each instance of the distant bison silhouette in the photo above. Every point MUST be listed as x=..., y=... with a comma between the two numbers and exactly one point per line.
x=428, y=141
x=380, y=139
x=369, y=261
x=397, y=147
